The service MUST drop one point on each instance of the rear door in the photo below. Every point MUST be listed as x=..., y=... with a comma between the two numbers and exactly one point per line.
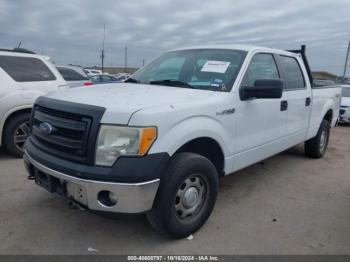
x=298, y=98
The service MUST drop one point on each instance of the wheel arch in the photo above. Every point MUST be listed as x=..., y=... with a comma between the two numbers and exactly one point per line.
x=10, y=115
x=329, y=116
x=192, y=132
x=207, y=147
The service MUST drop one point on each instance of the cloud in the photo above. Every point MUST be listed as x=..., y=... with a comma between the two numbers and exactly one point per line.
x=72, y=31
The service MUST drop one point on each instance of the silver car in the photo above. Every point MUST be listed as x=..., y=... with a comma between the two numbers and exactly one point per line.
x=74, y=76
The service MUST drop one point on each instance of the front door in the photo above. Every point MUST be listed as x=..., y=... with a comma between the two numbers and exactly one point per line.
x=260, y=122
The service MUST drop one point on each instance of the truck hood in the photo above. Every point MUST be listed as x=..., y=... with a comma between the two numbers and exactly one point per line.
x=121, y=100
x=345, y=101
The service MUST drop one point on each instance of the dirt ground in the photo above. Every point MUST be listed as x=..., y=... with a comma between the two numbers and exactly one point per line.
x=288, y=204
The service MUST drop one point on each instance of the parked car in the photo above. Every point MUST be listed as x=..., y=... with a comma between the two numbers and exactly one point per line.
x=344, y=113
x=159, y=143
x=24, y=76
x=103, y=79
x=92, y=72
x=74, y=76
x=122, y=76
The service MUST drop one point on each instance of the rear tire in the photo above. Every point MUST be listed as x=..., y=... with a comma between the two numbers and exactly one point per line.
x=15, y=134
x=317, y=146
x=186, y=195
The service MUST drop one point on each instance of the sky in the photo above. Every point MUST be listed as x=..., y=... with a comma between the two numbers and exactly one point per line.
x=71, y=31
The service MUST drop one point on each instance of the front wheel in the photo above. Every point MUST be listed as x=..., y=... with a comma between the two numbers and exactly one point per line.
x=186, y=195
x=316, y=147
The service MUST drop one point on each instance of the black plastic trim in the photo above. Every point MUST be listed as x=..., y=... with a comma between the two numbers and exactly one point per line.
x=125, y=169
x=84, y=110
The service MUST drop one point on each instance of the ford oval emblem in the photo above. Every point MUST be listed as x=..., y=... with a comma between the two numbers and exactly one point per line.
x=46, y=128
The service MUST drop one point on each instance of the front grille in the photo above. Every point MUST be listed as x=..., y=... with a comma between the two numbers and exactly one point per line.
x=66, y=130
x=68, y=134
x=342, y=111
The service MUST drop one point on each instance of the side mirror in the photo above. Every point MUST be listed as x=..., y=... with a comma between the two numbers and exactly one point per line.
x=263, y=88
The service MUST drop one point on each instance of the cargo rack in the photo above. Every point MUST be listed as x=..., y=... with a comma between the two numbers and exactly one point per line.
x=306, y=63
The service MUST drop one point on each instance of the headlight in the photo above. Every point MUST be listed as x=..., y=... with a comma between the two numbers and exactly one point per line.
x=115, y=141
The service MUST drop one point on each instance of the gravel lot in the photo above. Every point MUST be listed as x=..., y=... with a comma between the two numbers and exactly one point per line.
x=287, y=204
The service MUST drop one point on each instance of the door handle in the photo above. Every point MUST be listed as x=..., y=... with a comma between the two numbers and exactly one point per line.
x=307, y=101
x=284, y=105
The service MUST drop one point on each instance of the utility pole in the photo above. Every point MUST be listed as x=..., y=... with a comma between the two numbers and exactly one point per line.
x=103, y=47
x=143, y=62
x=126, y=59
x=346, y=61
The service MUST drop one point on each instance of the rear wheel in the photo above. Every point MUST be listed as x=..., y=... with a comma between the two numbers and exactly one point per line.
x=186, y=195
x=317, y=146
x=16, y=132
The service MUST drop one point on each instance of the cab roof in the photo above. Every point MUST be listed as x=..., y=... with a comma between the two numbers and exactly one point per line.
x=247, y=48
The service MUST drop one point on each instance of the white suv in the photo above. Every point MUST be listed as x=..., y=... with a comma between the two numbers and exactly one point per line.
x=24, y=76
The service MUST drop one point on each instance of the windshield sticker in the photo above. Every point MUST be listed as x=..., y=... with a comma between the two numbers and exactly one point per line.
x=215, y=66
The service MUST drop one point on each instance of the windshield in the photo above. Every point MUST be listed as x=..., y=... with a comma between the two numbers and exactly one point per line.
x=346, y=91
x=208, y=69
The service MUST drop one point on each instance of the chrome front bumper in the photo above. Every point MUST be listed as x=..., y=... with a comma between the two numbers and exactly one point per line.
x=130, y=198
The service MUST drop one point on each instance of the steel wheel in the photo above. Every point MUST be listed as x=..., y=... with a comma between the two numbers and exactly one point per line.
x=323, y=140
x=186, y=195
x=191, y=197
x=317, y=146
x=21, y=134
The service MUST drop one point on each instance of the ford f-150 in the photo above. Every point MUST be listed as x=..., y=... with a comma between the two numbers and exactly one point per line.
x=158, y=143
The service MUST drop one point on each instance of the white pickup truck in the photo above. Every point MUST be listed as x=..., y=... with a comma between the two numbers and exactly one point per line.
x=158, y=143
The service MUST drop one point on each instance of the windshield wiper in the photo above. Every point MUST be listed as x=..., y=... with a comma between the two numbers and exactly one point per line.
x=172, y=82
x=131, y=80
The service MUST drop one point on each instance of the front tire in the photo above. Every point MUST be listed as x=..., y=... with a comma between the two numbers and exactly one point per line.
x=317, y=146
x=186, y=195
x=16, y=132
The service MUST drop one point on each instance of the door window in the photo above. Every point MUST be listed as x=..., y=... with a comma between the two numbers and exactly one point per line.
x=262, y=66
x=26, y=69
x=293, y=75
x=106, y=78
x=95, y=79
x=70, y=75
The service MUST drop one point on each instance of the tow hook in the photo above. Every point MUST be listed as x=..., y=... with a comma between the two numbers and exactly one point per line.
x=72, y=204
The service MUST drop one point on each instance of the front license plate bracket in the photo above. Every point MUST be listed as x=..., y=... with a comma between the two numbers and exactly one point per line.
x=48, y=182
